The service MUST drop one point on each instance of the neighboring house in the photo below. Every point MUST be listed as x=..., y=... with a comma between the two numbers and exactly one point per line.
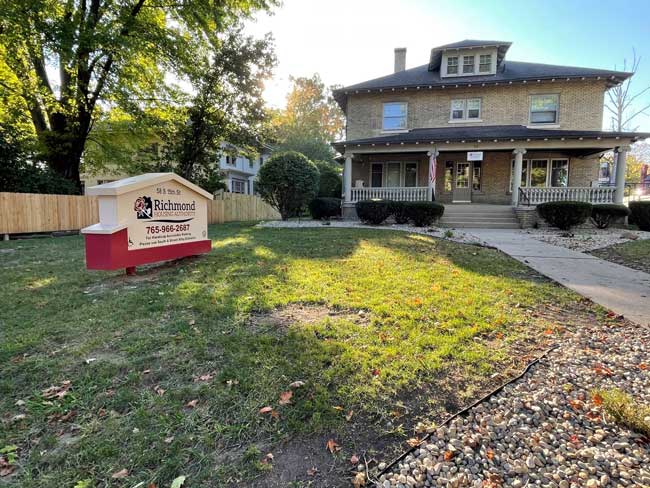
x=239, y=171
x=478, y=118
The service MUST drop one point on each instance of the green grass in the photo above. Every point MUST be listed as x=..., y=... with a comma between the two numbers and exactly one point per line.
x=634, y=254
x=625, y=410
x=431, y=307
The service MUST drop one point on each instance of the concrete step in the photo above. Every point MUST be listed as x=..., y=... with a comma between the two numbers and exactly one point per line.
x=471, y=218
x=486, y=224
x=479, y=215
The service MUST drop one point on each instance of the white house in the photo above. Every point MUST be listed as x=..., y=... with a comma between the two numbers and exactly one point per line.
x=240, y=171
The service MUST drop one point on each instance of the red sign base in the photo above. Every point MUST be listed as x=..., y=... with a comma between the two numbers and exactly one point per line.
x=111, y=251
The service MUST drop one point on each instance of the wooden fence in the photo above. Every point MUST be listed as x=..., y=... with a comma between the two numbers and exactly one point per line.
x=23, y=213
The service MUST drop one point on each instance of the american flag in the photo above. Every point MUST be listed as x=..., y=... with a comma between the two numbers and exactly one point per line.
x=432, y=170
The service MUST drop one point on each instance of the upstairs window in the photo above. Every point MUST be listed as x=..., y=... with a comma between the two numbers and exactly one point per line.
x=395, y=116
x=544, y=109
x=231, y=160
x=468, y=64
x=485, y=63
x=466, y=109
x=452, y=65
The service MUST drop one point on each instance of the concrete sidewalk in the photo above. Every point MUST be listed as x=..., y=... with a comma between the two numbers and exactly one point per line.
x=623, y=290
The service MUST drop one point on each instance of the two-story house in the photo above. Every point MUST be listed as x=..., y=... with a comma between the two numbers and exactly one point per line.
x=458, y=129
x=240, y=171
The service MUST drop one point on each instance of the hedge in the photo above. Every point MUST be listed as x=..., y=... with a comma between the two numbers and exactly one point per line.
x=324, y=208
x=400, y=212
x=603, y=214
x=373, y=212
x=423, y=214
x=565, y=215
x=640, y=214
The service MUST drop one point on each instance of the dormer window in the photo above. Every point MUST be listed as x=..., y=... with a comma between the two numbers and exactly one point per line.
x=485, y=63
x=452, y=65
x=468, y=64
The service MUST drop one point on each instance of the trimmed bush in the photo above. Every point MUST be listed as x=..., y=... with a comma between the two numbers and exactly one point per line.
x=640, y=214
x=373, y=212
x=323, y=208
x=423, y=214
x=288, y=182
x=330, y=179
x=565, y=215
x=603, y=215
x=400, y=212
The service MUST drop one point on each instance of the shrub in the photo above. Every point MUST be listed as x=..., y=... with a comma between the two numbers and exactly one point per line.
x=324, y=208
x=565, y=215
x=399, y=211
x=373, y=211
x=330, y=179
x=602, y=215
x=288, y=181
x=423, y=214
x=640, y=214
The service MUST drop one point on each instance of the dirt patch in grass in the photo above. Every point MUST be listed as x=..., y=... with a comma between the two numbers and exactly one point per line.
x=634, y=254
x=308, y=313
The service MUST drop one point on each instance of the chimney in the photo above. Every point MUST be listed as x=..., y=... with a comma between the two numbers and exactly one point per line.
x=400, y=59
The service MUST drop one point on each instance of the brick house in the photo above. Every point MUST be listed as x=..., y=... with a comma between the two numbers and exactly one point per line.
x=478, y=119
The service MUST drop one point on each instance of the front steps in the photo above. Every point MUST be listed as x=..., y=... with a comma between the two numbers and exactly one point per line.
x=466, y=216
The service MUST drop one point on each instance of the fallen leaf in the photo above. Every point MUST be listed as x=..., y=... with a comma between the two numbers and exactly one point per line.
x=499, y=335
x=489, y=454
x=448, y=456
x=332, y=446
x=192, y=322
x=359, y=480
x=597, y=399
x=354, y=459
x=575, y=404
x=123, y=473
x=146, y=371
x=285, y=397
x=169, y=440
x=417, y=301
x=20, y=403
x=297, y=384
x=178, y=482
x=275, y=414
x=57, y=391
x=548, y=332
x=205, y=377
x=376, y=372
x=152, y=485
x=191, y=403
x=159, y=391
x=312, y=471
x=338, y=407
x=603, y=370
x=266, y=410
x=6, y=470
x=643, y=366
x=413, y=441
x=348, y=416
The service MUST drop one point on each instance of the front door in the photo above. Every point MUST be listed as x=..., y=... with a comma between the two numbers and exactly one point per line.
x=462, y=186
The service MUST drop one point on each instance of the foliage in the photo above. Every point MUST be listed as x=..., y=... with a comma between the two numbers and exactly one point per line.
x=625, y=410
x=21, y=172
x=208, y=329
x=640, y=214
x=423, y=214
x=603, y=214
x=323, y=208
x=115, y=54
x=564, y=215
x=399, y=212
x=288, y=182
x=311, y=120
x=373, y=212
x=330, y=179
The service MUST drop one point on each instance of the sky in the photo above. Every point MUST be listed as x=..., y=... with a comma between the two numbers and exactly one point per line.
x=349, y=41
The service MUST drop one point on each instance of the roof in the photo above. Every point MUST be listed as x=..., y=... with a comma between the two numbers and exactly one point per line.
x=134, y=183
x=436, y=52
x=421, y=77
x=484, y=133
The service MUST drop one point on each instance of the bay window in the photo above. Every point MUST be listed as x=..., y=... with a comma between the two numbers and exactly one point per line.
x=395, y=116
x=544, y=109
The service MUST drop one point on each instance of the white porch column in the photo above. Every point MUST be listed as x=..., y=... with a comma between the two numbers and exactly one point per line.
x=516, y=174
x=621, y=163
x=347, y=178
x=251, y=190
x=430, y=184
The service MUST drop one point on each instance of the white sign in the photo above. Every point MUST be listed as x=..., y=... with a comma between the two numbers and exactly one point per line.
x=475, y=156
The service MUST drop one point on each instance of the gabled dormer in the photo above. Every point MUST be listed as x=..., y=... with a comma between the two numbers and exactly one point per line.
x=468, y=58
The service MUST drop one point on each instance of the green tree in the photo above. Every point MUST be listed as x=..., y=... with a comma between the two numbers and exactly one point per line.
x=311, y=120
x=288, y=182
x=330, y=184
x=108, y=53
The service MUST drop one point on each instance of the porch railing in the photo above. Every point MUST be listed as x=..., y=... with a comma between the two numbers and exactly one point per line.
x=534, y=196
x=409, y=194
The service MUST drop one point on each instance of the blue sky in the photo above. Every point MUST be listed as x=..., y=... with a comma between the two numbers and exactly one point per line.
x=347, y=41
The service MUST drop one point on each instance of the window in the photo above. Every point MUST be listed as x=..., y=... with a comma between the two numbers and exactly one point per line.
x=543, y=109
x=238, y=186
x=468, y=64
x=376, y=175
x=542, y=173
x=485, y=63
x=395, y=116
x=538, y=173
x=462, y=175
x=524, y=173
x=452, y=65
x=393, y=175
x=449, y=175
x=410, y=174
x=469, y=109
x=476, y=176
x=251, y=163
x=231, y=160
x=559, y=172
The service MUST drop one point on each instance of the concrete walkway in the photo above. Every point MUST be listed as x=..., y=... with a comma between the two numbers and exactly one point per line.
x=623, y=290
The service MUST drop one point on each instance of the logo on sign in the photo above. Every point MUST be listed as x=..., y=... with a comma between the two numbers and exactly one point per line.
x=143, y=208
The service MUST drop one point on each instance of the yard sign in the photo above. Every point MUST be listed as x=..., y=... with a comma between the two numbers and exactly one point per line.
x=147, y=218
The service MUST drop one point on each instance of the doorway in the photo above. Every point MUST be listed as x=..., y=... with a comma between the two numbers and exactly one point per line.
x=462, y=185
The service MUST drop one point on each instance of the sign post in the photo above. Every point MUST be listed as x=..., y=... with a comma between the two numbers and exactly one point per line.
x=147, y=218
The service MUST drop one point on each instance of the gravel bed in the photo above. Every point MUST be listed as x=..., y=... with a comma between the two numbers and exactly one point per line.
x=587, y=239
x=452, y=235
x=546, y=429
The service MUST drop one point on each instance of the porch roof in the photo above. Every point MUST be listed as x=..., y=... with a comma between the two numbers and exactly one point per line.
x=490, y=133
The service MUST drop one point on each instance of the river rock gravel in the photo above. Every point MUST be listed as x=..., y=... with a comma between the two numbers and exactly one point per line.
x=547, y=429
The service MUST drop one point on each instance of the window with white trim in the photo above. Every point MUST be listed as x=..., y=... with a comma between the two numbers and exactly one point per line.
x=485, y=63
x=238, y=186
x=452, y=65
x=468, y=64
x=466, y=109
x=542, y=173
x=544, y=109
x=395, y=116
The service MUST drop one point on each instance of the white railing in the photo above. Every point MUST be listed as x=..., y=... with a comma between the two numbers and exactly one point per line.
x=534, y=196
x=406, y=194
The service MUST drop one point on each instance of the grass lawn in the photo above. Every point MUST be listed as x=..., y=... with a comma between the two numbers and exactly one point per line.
x=633, y=254
x=168, y=370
